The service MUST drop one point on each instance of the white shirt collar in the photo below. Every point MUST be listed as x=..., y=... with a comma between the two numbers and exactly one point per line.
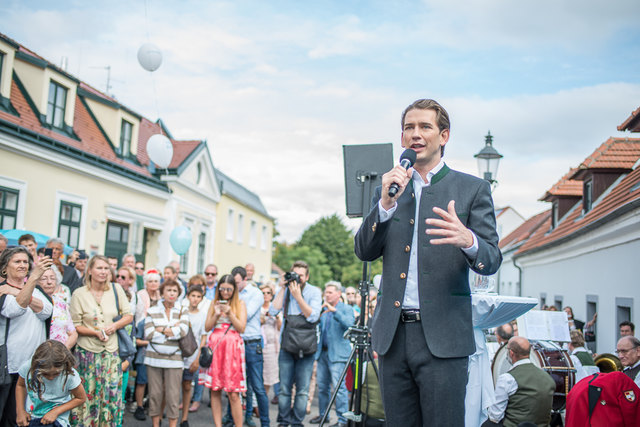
x=631, y=367
x=579, y=349
x=522, y=362
x=418, y=178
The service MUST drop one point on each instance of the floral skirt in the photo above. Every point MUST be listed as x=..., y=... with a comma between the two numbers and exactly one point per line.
x=227, y=370
x=101, y=375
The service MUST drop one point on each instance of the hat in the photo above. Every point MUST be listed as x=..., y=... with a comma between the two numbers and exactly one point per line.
x=82, y=254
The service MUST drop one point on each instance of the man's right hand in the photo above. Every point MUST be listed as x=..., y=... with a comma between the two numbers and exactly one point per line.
x=401, y=177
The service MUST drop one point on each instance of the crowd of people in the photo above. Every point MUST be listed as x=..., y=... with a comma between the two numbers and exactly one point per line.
x=68, y=325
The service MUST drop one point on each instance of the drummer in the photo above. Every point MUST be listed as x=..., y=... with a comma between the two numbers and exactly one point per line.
x=524, y=393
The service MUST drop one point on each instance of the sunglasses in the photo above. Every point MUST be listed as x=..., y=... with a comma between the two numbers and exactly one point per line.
x=226, y=289
x=139, y=268
x=210, y=274
x=120, y=276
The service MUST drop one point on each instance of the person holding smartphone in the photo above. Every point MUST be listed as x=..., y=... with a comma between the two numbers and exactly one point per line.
x=227, y=317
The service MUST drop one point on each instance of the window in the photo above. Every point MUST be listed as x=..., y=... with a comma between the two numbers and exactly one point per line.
x=69, y=223
x=263, y=242
x=198, y=173
x=253, y=234
x=8, y=208
x=554, y=214
x=557, y=302
x=1, y=63
x=56, y=105
x=240, y=227
x=543, y=299
x=117, y=240
x=202, y=246
x=624, y=307
x=184, y=262
x=587, y=195
x=230, y=225
x=125, y=138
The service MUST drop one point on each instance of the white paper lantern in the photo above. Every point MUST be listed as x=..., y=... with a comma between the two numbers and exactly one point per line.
x=160, y=150
x=149, y=56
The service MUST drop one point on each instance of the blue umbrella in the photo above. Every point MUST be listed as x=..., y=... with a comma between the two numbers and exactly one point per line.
x=41, y=239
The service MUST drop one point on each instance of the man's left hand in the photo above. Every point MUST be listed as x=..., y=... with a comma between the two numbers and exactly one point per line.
x=295, y=290
x=453, y=232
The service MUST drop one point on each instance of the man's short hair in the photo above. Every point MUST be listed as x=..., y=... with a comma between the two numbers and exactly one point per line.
x=55, y=241
x=301, y=264
x=172, y=268
x=335, y=284
x=26, y=237
x=518, y=350
x=239, y=270
x=629, y=324
x=635, y=342
x=442, y=117
x=577, y=339
x=125, y=256
x=504, y=333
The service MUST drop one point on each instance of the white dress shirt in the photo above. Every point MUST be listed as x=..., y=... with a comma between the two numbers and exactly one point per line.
x=581, y=370
x=411, y=298
x=506, y=386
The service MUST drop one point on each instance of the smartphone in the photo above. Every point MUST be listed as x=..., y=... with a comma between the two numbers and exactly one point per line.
x=104, y=335
x=48, y=252
x=223, y=301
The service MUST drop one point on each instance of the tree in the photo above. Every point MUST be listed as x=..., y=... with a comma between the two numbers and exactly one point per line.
x=319, y=271
x=334, y=240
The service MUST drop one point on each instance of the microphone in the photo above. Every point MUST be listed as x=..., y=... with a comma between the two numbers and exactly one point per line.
x=407, y=159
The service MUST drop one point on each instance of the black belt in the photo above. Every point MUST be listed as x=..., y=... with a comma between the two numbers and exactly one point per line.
x=253, y=340
x=410, y=316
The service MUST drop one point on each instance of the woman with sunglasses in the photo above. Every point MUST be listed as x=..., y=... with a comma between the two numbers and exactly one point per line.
x=228, y=317
x=271, y=334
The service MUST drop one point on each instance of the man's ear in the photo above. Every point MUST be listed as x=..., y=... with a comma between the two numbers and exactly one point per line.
x=445, y=137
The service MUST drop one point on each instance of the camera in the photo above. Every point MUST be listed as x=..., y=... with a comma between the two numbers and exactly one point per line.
x=291, y=276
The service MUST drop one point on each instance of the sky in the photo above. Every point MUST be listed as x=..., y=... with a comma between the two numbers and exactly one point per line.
x=276, y=88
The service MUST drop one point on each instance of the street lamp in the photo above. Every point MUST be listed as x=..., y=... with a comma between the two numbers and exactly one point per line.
x=488, y=160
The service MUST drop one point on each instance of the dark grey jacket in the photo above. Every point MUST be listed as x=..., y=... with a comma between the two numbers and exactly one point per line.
x=443, y=270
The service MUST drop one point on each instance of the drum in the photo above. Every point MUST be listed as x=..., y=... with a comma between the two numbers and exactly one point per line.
x=548, y=356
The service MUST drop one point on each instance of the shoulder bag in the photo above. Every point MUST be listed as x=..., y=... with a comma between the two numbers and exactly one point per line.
x=5, y=377
x=188, y=344
x=126, y=349
x=299, y=337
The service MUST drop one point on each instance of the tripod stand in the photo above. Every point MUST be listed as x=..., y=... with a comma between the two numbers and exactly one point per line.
x=360, y=354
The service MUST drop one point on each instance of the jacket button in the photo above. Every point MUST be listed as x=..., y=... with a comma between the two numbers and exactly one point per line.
x=407, y=248
x=396, y=304
x=374, y=226
x=413, y=195
x=411, y=221
x=403, y=276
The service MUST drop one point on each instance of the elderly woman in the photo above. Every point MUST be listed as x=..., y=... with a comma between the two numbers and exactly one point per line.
x=147, y=297
x=62, y=328
x=271, y=335
x=93, y=308
x=26, y=309
x=165, y=324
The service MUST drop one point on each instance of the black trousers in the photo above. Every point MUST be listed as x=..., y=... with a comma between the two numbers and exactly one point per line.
x=8, y=400
x=419, y=389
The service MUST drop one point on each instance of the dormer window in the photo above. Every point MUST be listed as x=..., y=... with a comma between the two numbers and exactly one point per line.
x=587, y=196
x=1, y=64
x=126, y=130
x=56, y=105
x=554, y=214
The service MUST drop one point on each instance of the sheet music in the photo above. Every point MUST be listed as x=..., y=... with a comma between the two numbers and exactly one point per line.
x=544, y=325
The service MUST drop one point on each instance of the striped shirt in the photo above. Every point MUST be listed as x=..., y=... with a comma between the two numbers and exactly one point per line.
x=163, y=351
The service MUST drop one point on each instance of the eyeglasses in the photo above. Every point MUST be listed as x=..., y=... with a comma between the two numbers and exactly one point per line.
x=140, y=268
x=623, y=351
x=226, y=289
x=211, y=274
x=120, y=276
x=266, y=292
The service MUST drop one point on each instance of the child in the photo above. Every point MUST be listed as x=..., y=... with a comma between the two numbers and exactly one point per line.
x=52, y=384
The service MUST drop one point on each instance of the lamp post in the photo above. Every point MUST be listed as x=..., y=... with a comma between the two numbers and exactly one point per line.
x=488, y=160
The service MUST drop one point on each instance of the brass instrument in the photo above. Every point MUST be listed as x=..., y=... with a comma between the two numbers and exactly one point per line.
x=608, y=362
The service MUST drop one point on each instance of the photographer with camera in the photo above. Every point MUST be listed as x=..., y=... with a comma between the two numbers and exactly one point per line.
x=301, y=304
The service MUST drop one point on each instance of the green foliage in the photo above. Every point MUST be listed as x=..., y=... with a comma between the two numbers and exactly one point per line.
x=327, y=246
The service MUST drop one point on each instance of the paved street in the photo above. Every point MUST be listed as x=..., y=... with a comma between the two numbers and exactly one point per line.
x=203, y=416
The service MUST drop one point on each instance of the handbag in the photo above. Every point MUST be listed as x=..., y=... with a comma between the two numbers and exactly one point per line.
x=126, y=349
x=5, y=377
x=206, y=353
x=300, y=337
x=188, y=344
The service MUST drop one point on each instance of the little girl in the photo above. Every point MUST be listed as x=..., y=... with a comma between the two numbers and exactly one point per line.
x=52, y=384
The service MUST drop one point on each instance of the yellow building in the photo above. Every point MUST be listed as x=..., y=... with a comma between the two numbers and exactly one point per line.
x=73, y=164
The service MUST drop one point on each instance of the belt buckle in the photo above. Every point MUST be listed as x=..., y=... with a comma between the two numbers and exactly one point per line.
x=410, y=316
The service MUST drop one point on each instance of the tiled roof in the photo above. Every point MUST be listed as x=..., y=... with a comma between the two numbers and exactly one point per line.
x=231, y=188
x=564, y=187
x=181, y=148
x=614, y=153
x=632, y=123
x=624, y=195
x=525, y=230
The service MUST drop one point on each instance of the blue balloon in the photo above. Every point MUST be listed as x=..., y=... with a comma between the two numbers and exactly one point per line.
x=180, y=239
